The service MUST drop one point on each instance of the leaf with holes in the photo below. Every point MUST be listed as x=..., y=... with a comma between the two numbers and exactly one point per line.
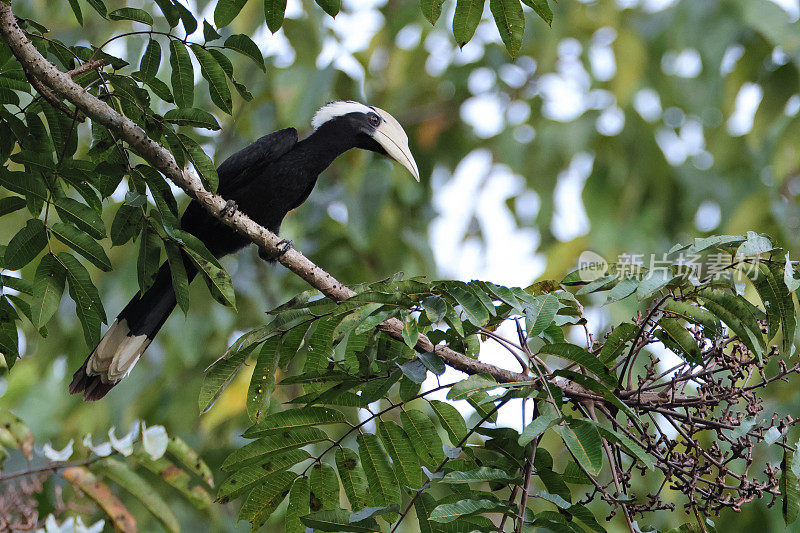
x=354, y=481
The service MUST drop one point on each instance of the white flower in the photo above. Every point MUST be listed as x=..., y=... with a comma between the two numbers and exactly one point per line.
x=125, y=444
x=97, y=527
x=154, y=440
x=51, y=525
x=70, y=525
x=103, y=449
x=56, y=455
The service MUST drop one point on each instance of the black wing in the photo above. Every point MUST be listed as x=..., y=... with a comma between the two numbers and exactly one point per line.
x=234, y=171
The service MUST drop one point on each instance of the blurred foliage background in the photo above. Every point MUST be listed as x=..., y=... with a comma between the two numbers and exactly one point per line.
x=625, y=127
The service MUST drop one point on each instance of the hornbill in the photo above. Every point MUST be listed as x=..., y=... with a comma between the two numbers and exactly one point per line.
x=265, y=180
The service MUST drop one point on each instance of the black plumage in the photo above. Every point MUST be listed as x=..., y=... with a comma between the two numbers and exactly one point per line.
x=265, y=180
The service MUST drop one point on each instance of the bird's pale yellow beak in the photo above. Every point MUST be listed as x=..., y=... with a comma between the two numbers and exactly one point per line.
x=391, y=136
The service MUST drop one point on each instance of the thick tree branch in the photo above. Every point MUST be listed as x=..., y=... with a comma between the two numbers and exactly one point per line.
x=61, y=84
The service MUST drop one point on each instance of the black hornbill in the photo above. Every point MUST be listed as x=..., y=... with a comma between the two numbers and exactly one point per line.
x=265, y=180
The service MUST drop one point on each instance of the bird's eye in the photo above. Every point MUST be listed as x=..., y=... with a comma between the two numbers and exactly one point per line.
x=374, y=119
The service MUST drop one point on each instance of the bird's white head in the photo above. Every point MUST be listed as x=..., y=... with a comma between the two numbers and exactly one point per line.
x=377, y=123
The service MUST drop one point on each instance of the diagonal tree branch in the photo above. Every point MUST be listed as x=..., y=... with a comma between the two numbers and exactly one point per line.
x=60, y=84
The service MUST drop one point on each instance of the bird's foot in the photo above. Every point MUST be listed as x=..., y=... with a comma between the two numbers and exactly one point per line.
x=229, y=210
x=283, y=246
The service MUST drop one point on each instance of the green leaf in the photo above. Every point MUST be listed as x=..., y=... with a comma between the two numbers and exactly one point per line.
x=451, y=420
x=126, y=225
x=354, y=481
x=226, y=11
x=406, y=464
x=697, y=315
x=48, y=287
x=579, y=355
x=25, y=245
x=622, y=290
x=593, y=385
x=151, y=59
x=244, y=45
x=76, y=9
x=273, y=11
x=249, y=477
x=616, y=341
x=299, y=505
x=138, y=487
x=634, y=449
x=265, y=498
x=324, y=487
x=778, y=303
x=215, y=76
x=541, y=313
x=383, y=487
x=510, y=21
x=83, y=244
x=737, y=314
x=181, y=451
x=424, y=437
x=466, y=19
x=433, y=362
x=177, y=269
x=415, y=371
x=188, y=20
x=216, y=278
x=182, y=74
x=209, y=33
x=410, y=331
x=148, y=260
x=676, y=338
x=11, y=204
x=473, y=384
x=262, y=382
x=584, y=442
x=265, y=447
x=177, y=478
x=197, y=118
x=331, y=7
x=790, y=489
x=472, y=306
x=98, y=6
x=132, y=13
x=548, y=416
x=202, y=163
x=218, y=377
x=88, y=306
x=447, y=512
x=27, y=184
x=291, y=419
x=81, y=215
x=338, y=520
x=431, y=9
x=541, y=8
x=789, y=280
x=479, y=475
x=423, y=506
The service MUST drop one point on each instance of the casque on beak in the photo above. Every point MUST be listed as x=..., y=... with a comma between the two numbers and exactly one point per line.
x=391, y=136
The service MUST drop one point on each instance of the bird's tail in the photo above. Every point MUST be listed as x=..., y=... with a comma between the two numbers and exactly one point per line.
x=128, y=337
